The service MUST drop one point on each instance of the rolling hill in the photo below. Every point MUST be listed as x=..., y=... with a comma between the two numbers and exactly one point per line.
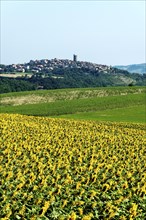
x=103, y=104
x=134, y=68
x=57, y=74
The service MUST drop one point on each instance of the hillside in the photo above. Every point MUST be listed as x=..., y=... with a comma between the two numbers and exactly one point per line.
x=134, y=68
x=110, y=104
x=55, y=73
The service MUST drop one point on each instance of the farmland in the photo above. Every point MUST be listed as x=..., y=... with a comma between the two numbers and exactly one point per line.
x=92, y=103
x=73, y=154
x=67, y=169
x=134, y=114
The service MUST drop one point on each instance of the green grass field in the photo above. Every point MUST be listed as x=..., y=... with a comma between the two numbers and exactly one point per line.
x=126, y=104
x=136, y=114
x=64, y=94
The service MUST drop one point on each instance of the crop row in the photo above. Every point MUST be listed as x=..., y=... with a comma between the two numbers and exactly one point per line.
x=65, y=169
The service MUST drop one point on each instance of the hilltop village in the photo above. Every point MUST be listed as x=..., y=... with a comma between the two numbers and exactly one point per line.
x=46, y=66
x=63, y=73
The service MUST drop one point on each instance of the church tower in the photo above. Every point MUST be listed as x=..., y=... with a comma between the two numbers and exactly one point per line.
x=75, y=58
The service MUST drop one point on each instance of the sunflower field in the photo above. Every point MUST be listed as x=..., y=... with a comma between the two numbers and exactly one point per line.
x=67, y=170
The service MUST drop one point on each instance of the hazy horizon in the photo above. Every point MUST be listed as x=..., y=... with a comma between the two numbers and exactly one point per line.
x=72, y=59
x=102, y=32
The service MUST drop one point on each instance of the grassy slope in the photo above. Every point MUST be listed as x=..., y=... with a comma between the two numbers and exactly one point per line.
x=85, y=104
x=91, y=92
x=134, y=114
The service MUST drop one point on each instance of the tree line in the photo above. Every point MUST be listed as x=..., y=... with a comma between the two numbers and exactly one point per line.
x=70, y=78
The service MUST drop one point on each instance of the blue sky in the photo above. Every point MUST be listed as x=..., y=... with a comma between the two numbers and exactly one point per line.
x=104, y=32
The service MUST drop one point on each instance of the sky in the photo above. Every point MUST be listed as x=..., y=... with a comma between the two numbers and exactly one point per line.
x=102, y=32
